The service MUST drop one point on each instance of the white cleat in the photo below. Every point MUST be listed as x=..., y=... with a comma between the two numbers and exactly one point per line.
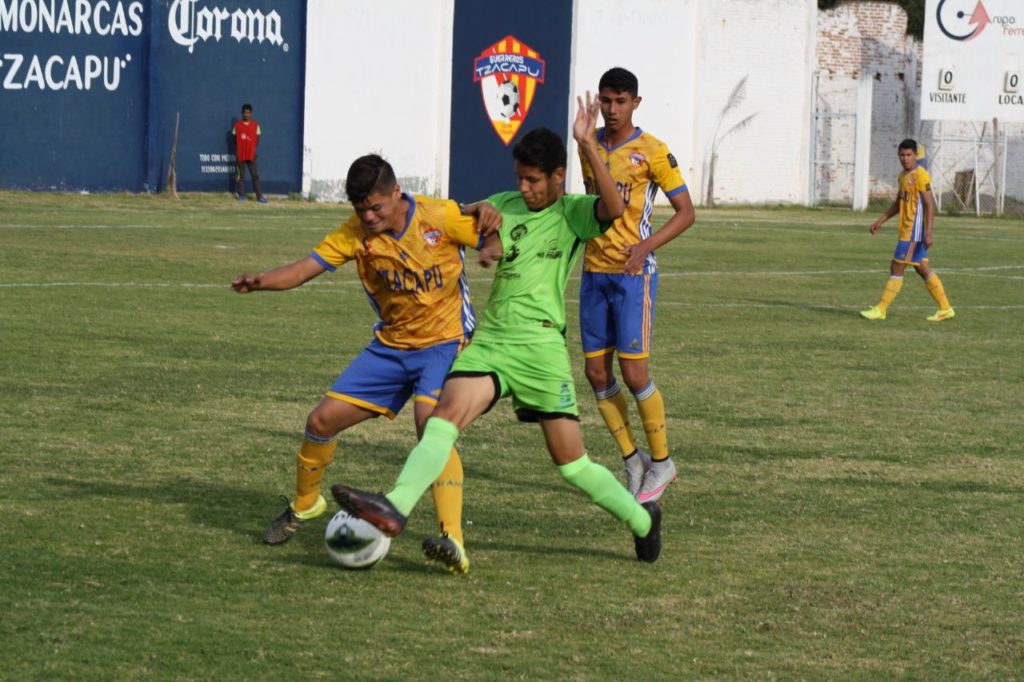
x=656, y=480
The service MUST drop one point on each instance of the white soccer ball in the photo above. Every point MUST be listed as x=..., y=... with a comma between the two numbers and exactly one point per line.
x=508, y=99
x=354, y=543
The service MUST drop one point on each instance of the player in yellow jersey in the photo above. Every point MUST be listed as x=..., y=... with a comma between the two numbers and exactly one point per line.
x=409, y=254
x=520, y=349
x=620, y=281
x=916, y=207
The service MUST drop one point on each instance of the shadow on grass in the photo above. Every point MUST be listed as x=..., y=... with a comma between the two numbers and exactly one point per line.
x=835, y=311
x=939, y=487
x=213, y=504
x=553, y=550
x=245, y=512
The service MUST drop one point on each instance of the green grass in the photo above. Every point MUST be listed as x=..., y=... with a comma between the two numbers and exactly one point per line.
x=850, y=500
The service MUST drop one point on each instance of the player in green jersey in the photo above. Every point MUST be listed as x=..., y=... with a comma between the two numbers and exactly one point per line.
x=519, y=348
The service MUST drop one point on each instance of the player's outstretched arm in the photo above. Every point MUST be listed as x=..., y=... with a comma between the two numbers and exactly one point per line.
x=279, y=279
x=584, y=131
x=894, y=207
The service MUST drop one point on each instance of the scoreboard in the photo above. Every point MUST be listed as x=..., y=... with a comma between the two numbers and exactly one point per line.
x=973, y=68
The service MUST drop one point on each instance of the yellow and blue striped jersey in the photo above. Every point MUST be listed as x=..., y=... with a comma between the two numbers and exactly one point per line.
x=913, y=184
x=415, y=281
x=639, y=166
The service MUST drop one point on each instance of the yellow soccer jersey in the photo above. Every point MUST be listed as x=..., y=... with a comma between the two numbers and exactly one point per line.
x=639, y=166
x=913, y=184
x=415, y=281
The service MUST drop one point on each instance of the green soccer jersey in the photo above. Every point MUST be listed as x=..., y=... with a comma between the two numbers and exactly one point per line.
x=540, y=248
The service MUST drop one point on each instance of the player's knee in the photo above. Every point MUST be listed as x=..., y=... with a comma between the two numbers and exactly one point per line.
x=597, y=376
x=319, y=425
x=636, y=380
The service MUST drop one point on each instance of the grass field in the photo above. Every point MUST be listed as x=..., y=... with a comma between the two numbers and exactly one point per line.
x=850, y=503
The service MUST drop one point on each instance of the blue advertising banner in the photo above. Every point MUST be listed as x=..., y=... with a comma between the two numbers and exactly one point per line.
x=510, y=74
x=209, y=58
x=89, y=92
x=73, y=94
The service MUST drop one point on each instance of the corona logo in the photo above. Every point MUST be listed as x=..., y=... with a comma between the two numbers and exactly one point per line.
x=508, y=72
x=188, y=25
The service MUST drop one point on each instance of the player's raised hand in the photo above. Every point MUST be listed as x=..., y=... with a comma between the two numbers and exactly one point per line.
x=584, y=128
x=245, y=283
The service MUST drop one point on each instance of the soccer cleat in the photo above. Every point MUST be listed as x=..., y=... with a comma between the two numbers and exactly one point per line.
x=939, y=316
x=636, y=465
x=373, y=507
x=284, y=526
x=874, y=313
x=262, y=200
x=241, y=197
x=649, y=547
x=448, y=551
x=656, y=480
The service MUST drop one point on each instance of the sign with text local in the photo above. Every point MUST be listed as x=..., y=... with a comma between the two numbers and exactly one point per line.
x=973, y=61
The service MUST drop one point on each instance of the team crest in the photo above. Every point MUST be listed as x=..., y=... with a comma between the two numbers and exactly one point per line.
x=432, y=237
x=508, y=72
x=636, y=158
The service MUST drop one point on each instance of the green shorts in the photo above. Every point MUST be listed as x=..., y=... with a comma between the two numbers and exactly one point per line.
x=537, y=376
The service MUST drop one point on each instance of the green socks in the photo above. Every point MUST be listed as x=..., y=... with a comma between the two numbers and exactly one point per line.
x=424, y=464
x=604, y=489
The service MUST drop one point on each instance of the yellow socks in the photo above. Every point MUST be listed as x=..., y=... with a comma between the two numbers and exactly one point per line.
x=314, y=456
x=892, y=289
x=652, y=413
x=937, y=291
x=447, y=493
x=612, y=406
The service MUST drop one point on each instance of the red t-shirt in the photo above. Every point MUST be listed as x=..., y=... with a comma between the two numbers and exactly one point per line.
x=247, y=135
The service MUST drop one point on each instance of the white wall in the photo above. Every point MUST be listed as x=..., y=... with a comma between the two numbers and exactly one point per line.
x=654, y=39
x=384, y=71
x=771, y=43
x=378, y=79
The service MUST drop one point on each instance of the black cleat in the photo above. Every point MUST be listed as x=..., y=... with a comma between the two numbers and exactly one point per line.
x=372, y=507
x=448, y=551
x=649, y=547
x=282, y=528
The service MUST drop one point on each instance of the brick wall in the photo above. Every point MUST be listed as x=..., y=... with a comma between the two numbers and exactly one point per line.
x=868, y=39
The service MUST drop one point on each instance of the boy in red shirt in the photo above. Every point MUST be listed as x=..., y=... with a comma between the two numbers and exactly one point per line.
x=247, y=136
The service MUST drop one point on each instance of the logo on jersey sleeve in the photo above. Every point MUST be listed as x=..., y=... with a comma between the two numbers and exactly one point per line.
x=508, y=72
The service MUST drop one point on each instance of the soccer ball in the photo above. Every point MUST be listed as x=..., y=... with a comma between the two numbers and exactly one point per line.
x=354, y=543
x=508, y=99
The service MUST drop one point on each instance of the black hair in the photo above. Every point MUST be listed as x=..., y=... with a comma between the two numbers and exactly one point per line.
x=367, y=175
x=541, y=148
x=909, y=144
x=619, y=80
x=246, y=107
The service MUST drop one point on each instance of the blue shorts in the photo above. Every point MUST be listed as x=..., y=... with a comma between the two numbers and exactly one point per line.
x=617, y=314
x=381, y=378
x=904, y=254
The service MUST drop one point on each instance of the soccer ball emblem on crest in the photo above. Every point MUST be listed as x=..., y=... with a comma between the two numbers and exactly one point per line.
x=508, y=99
